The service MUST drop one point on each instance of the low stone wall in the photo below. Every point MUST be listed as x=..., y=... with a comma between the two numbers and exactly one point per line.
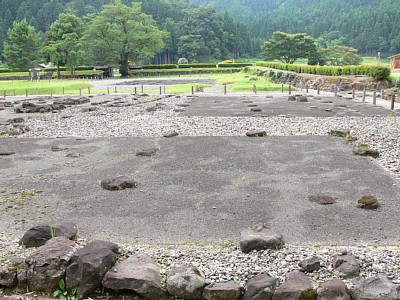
x=60, y=264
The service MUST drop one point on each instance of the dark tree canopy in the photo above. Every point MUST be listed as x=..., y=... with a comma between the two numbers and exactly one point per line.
x=22, y=50
x=289, y=47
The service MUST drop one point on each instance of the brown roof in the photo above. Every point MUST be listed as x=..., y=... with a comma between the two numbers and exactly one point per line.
x=396, y=55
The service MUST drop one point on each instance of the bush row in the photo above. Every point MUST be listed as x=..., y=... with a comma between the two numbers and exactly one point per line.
x=200, y=65
x=5, y=70
x=377, y=72
x=78, y=68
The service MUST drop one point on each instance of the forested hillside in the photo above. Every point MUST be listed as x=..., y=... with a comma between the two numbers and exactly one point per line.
x=199, y=30
x=368, y=25
x=240, y=26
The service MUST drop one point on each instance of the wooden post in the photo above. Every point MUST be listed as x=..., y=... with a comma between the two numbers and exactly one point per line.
x=142, y=89
x=26, y=93
x=37, y=91
x=135, y=90
x=88, y=89
x=382, y=93
x=192, y=90
x=225, y=89
x=283, y=88
x=290, y=89
x=160, y=90
x=364, y=94
x=80, y=91
x=374, y=98
x=354, y=94
x=254, y=89
x=164, y=89
x=318, y=90
x=336, y=90
x=307, y=88
x=63, y=90
x=108, y=91
x=115, y=89
x=392, y=104
x=5, y=94
x=15, y=92
x=51, y=92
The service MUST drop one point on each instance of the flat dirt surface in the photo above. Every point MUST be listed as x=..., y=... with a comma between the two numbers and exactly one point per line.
x=198, y=189
x=278, y=105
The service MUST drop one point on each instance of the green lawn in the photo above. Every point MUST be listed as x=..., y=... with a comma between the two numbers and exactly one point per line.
x=44, y=87
x=235, y=82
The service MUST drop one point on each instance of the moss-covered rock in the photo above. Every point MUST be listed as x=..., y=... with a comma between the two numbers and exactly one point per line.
x=364, y=150
x=368, y=202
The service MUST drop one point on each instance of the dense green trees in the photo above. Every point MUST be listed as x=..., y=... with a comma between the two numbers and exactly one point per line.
x=339, y=55
x=63, y=45
x=240, y=28
x=289, y=47
x=122, y=33
x=22, y=50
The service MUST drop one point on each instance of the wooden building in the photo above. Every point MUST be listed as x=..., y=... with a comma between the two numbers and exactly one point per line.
x=395, y=61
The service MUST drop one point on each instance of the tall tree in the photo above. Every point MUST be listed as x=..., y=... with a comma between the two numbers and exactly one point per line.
x=121, y=33
x=22, y=50
x=340, y=55
x=289, y=47
x=63, y=41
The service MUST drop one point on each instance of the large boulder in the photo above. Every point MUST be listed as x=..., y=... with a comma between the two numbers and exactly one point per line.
x=139, y=273
x=47, y=265
x=346, y=264
x=8, y=272
x=261, y=287
x=296, y=286
x=186, y=282
x=375, y=288
x=310, y=264
x=334, y=289
x=259, y=237
x=222, y=291
x=38, y=235
x=89, y=265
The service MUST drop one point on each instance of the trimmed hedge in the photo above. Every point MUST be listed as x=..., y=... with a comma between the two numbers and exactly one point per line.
x=78, y=68
x=377, y=72
x=5, y=70
x=187, y=66
x=159, y=67
x=234, y=65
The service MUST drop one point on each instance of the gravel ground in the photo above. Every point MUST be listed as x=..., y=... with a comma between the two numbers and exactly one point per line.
x=380, y=133
x=153, y=117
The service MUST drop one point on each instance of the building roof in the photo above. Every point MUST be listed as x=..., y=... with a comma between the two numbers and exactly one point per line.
x=393, y=56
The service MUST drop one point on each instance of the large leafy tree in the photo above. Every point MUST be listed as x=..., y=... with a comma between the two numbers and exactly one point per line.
x=22, y=49
x=121, y=33
x=340, y=55
x=63, y=41
x=289, y=47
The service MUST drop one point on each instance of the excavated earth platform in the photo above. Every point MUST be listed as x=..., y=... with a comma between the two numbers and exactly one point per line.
x=198, y=189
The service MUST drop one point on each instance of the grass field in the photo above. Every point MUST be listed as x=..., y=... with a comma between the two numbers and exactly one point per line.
x=44, y=87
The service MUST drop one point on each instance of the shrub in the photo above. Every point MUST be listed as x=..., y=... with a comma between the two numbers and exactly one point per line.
x=377, y=72
x=187, y=66
x=235, y=65
x=159, y=67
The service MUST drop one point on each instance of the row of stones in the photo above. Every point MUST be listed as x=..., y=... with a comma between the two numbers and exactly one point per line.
x=94, y=265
